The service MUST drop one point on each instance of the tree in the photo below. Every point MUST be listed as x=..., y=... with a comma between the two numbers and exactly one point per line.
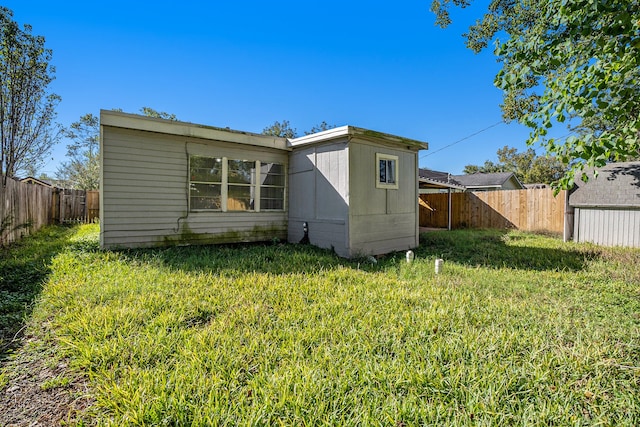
x=283, y=130
x=27, y=110
x=82, y=170
x=566, y=61
x=527, y=166
x=319, y=128
x=150, y=112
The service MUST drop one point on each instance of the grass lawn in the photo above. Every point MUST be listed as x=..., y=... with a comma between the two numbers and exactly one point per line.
x=518, y=329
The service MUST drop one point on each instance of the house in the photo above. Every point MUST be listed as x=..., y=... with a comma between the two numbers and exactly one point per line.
x=606, y=208
x=36, y=181
x=166, y=182
x=433, y=181
x=489, y=181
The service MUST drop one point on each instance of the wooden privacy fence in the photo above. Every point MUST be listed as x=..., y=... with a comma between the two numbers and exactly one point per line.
x=529, y=210
x=25, y=208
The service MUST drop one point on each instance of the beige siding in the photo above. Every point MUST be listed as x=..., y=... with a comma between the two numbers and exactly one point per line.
x=144, y=197
x=382, y=220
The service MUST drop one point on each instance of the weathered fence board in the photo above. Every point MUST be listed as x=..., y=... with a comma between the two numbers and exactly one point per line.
x=530, y=210
x=25, y=208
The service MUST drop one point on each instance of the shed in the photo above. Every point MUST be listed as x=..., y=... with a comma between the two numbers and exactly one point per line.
x=356, y=189
x=607, y=207
x=167, y=182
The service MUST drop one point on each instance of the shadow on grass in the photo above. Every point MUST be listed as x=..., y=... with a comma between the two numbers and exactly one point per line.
x=502, y=249
x=230, y=259
x=487, y=248
x=24, y=267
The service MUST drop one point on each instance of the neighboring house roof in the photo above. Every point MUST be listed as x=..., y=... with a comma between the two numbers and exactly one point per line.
x=617, y=185
x=487, y=180
x=469, y=182
x=32, y=180
x=436, y=179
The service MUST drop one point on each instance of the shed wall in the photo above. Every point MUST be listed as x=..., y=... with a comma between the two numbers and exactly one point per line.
x=382, y=220
x=608, y=227
x=144, y=197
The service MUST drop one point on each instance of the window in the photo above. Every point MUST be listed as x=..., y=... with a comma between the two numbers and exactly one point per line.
x=387, y=167
x=205, y=186
x=272, y=181
x=242, y=185
x=222, y=184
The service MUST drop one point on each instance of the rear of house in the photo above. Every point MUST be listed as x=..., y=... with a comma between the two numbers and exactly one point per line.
x=167, y=182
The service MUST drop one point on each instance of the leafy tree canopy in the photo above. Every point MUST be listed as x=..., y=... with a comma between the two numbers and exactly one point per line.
x=82, y=168
x=527, y=166
x=27, y=109
x=566, y=61
x=284, y=129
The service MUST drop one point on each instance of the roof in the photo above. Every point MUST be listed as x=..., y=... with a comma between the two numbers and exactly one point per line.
x=617, y=185
x=471, y=181
x=33, y=180
x=437, y=179
x=174, y=127
x=360, y=133
x=486, y=180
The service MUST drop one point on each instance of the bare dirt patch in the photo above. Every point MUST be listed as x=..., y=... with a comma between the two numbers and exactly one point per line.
x=41, y=393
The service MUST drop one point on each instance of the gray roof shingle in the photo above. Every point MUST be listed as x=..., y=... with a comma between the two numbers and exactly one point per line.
x=617, y=185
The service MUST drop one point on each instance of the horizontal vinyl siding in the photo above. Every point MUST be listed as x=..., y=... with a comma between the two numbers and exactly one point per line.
x=145, y=193
x=608, y=227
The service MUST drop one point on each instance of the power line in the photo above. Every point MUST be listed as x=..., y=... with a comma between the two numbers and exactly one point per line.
x=462, y=139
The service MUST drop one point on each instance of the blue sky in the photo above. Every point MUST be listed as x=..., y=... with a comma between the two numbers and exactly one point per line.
x=245, y=64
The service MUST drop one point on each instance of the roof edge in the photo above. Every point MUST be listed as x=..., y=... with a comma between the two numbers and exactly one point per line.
x=187, y=129
x=356, y=132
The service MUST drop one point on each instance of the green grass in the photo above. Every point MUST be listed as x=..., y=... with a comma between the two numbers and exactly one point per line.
x=518, y=329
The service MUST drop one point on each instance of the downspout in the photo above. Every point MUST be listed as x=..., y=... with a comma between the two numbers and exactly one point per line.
x=182, y=218
x=449, y=210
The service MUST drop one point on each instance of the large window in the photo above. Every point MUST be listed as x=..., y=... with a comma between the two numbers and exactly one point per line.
x=387, y=167
x=222, y=184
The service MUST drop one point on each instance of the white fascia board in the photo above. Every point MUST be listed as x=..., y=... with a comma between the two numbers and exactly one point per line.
x=364, y=134
x=192, y=130
x=441, y=183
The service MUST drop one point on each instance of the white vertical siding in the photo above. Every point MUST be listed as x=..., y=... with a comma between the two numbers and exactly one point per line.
x=608, y=227
x=319, y=195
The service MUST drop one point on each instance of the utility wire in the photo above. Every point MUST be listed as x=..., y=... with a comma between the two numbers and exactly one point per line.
x=462, y=139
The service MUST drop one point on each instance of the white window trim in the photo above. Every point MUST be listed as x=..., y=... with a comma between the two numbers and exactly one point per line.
x=384, y=185
x=224, y=190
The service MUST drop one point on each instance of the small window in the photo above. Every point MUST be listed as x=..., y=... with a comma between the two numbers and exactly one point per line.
x=387, y=171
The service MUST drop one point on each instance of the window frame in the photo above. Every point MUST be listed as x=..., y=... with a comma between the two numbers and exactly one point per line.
x=254, y=187
x=386, y=184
